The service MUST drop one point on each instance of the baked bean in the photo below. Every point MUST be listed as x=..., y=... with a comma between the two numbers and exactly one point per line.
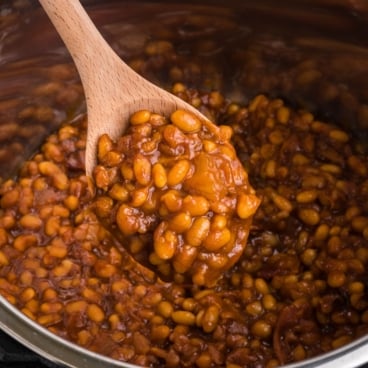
x=49, y=308
x=49, y=319
x=57, y=248
x=299, y=353
x=60, y=211
x=172, y=200
x=308, y=256
x=330, y=168
x=102, y=177
x=30, y=222
x=210, y=318
x=334, y=245
x=195, y=205
x=52, y=226
x=261, y=329
x=4, y=261
x=127, y=171
x=63, y=269
x=261, y=286
x=356, y=287
x=160, y=333
x=267, y=151
x=172, y=135
x=137, y=245
x=49, y=294
x=198, y=231
x=276, y=137
x=104, y=269
x=312, y=181
x=300, y=159
x=281, y=202
x=24, y=241
x=95, y=313
x=247, y=205
x=204, y=360
x=165, y=309
x=50, y=169
x=185, y=121
x=76, y=306
x=322, y=232
x=219, y=222
x=119, y=192
x=336, y=279
x=180, y=222
x=209, y=146
x=72, y=202
x=159, y=175
x=142, y=169
x=307, y=196
x=178, y=172
x=27, y=294
x=10, y=198
x=359, y=223
x=165, y=244
x=269, y=302
x=183, y=317
x=340, y=341
x=357, y=165
x=217, y=239
x=185, y=259
x=140, y=117
x=283, y=115
x=104, y=146
x=139, y=197
x=309, y=216
x=270, y=168
x=253, y=308
x=126, y=220
x=3, y=236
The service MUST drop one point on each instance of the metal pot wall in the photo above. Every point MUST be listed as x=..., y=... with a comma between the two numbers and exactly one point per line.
x=312, y=54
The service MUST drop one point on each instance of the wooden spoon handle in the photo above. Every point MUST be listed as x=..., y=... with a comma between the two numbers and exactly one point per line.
x=112, y=89
x=86, y=45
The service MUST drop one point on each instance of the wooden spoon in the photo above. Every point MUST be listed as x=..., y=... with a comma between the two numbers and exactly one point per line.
x=112, y=89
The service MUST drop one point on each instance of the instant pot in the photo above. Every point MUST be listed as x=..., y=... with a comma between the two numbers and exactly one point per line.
x=313, y=54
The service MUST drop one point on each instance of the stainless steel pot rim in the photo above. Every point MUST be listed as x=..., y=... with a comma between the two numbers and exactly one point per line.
x=60, y=351
x=48, y=345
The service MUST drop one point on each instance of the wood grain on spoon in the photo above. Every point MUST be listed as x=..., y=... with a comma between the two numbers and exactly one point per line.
x=112, y=89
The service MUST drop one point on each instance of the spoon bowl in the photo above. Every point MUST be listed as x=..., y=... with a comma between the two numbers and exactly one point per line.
x=204, y=167
x=112, y=89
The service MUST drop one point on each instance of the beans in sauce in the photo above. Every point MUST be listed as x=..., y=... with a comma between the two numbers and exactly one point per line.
x=174, y=189
x=298, y=289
